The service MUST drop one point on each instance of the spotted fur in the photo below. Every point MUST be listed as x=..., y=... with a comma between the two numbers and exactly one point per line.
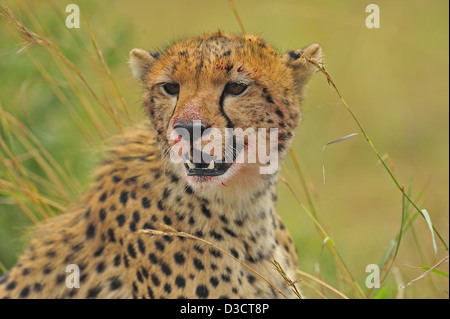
x=137, y=187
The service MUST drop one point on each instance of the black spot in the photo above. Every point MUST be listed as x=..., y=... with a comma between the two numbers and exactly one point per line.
x=180, y=282
x=132, y=226
x=269, y=99
x=24, y=292
x=167, y=220
x=224, y=219
x=83, y=277
x=147, y=226
x=166, y=269
x=120, y=220
x=100, y=267
x=136, y=216
x=189, y=190
x=103, y=197
x=90, y=232
x=206, y=211
x=251, y=279
x=226, y=278
x=141, y=246
x=38, y=287
x=115, y=283
x=145, y=202
x=159, y=245
x=60, y=278
x=93, y=292
x=47, y=270
x=216, y=235
x=51, y=253
x=99, y=251
x=155, y=280
x=160, y=205
x=174, y=179
x=279, y=113
x=239, y=222
x=202, y=291
x=112, y=237
x=102, y=214
x=229, y=232
x=215, y=253
x=139, y=276
x=131, y=180
x=153, y=259
x=166, y=193
x=234, y=253
x=131, y=251
x=117, y=260
x=199, y=233
x=144, y=272
x=214, y=281
x=198, y=264
x=167, y=288
x=199, y=249
x=25, y=272
x=179, y=258
x=116, y=179
x=123, y=197
x=125, y=261
x=150, y=292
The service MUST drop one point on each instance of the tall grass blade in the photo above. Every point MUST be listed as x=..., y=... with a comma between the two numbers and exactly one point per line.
x=236, y=14
x=429, y=271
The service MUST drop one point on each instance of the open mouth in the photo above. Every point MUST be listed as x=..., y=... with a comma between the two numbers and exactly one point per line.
x=203, y=169
x=215, y=167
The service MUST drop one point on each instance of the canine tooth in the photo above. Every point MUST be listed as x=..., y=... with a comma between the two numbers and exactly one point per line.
x=190, y=165
x=211, y=165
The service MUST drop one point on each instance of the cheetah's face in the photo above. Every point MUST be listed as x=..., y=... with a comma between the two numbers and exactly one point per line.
x=213, y=100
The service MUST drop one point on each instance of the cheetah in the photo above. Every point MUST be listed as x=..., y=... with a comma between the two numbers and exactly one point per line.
x=228, y=209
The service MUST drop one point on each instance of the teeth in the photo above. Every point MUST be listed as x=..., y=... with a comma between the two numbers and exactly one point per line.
x=190, y=165
x=211, y=165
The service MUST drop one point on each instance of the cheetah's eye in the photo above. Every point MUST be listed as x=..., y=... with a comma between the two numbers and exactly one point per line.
x=235, y=88
x=171, y=88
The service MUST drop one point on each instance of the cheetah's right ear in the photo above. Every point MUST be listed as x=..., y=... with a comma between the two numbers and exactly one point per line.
x=297, y=60
x=140, y=62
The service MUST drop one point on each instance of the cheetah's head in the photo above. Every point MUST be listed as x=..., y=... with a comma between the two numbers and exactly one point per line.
x=213, y=99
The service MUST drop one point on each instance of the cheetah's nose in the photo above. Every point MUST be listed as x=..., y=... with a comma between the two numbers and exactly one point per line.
x=195, y=130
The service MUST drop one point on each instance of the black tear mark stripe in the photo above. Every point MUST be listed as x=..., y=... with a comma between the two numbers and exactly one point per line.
x=222, y=111
x=173, y=112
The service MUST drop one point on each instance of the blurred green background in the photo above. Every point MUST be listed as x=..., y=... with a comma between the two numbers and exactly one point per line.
x=394, y=78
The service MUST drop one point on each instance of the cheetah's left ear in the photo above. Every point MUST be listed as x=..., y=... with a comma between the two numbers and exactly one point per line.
x=297, y=60
x=140, y=62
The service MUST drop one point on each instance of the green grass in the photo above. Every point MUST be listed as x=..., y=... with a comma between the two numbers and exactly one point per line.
x=63, y=97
